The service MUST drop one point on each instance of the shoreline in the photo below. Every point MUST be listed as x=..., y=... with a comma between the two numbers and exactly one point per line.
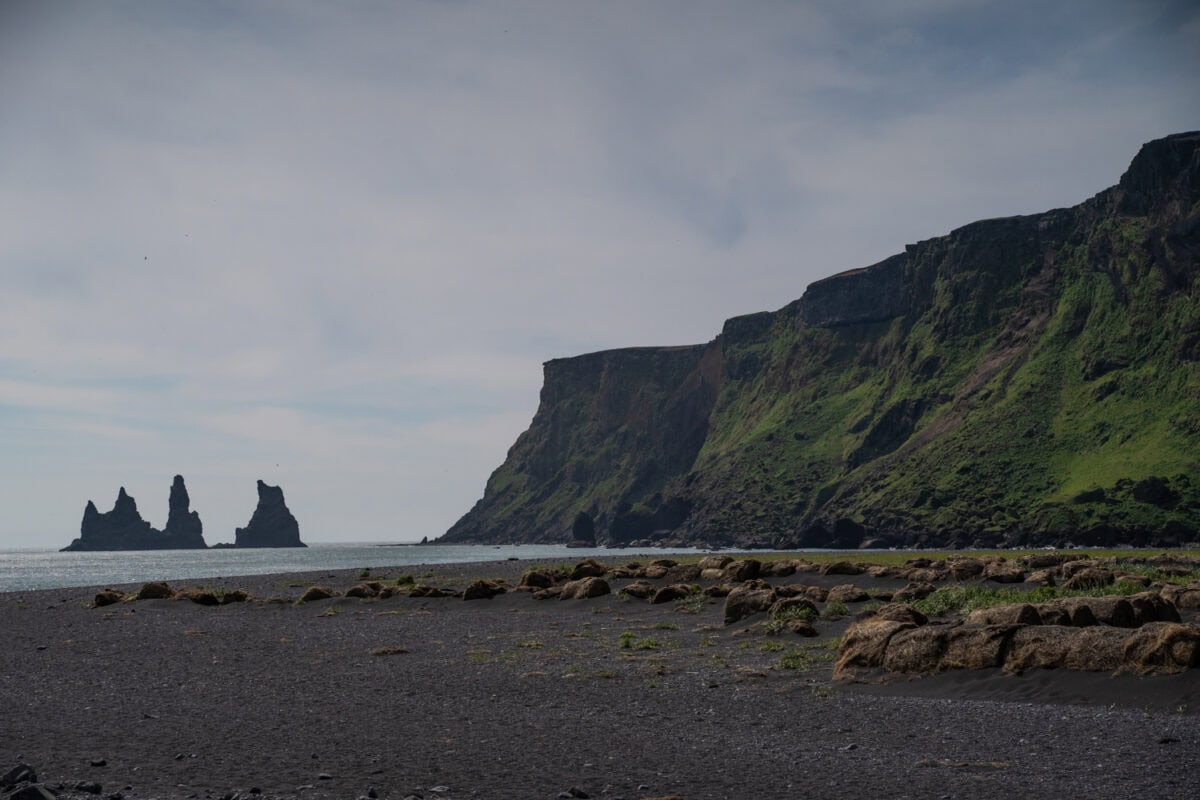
x=524, y=698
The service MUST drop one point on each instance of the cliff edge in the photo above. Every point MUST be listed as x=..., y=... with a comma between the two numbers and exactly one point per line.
x=1020, y=381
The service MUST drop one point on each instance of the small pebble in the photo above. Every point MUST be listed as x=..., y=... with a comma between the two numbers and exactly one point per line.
x=849, y=747
x=324, y=776
x=98, y=762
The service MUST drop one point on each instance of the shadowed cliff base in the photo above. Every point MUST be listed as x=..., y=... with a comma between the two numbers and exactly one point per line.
x=1020, y=381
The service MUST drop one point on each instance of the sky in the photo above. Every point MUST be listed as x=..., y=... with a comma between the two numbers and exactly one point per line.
x=330, y=245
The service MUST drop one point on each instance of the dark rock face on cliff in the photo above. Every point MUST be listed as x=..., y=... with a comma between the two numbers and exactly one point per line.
x=1020, y=381
x=272, y=524
x=124, y=529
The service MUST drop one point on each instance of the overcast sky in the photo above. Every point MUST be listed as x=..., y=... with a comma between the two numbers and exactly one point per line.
x=329, y=245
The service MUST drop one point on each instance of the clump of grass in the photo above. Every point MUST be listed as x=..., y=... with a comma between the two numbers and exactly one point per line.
x=967, y=598
x=364, y=574
x=630, y=641
x=690, y=605
x=779, y=621
x=531, y=644
x=806, y=657
x=406, y=579
x=666, y=625
x=836, y=608
x=770, y=646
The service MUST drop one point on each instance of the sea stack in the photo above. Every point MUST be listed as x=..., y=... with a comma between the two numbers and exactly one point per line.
x=272, y=524
x=184, y=529
x=124, y=529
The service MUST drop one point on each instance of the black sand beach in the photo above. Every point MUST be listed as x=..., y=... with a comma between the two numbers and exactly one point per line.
x=513, y=697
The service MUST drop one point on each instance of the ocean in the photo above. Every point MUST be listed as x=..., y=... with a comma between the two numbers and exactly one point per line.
x=23, y=570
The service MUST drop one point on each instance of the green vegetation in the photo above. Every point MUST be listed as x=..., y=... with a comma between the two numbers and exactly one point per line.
x=964, y=599
x=836, y=608
x=631, y=641
x=806, y=657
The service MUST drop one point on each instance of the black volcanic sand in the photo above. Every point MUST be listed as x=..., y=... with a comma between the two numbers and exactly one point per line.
x=518, y=698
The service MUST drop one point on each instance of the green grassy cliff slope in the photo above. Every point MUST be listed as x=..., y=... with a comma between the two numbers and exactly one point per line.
x=1020, y=381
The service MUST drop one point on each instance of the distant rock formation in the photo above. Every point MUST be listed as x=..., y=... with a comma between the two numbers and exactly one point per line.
x=124, y=529
x=182, y=523
x=272, y=524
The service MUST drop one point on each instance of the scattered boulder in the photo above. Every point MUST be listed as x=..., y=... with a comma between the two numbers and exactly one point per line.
x=199, y=596
x=33, y=791
x=780, y=568
x=1152, y=607
x=1187, y=597
x=272, y=524
x=155, y=590
x=1016, y=614
x=584, y=588
x=963, y=569
x=589, y=568
x=714, y=562
x=801, y=627
x=935, y=648
x=846, y=593
x=842, y=568
x=235, y=596
x=900, y=612
x=914, y=591
x=864, y=645
x=1094, y=649
x=925, y=575
x=21, y=773
x=1161, y=648
x=743, y=570
x=1085, y=612
x=365, y=590
x=107, y=597
x=671, y=592
x=317, y=593
x=1003, y=572
x=1043, y=577
x=1089, y=578
x=537, y=579
x=482, y=590
x=639, y=589
x=744, y=601
x=683, y=573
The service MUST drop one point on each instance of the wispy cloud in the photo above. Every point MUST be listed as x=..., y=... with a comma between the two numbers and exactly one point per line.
x=341, y=240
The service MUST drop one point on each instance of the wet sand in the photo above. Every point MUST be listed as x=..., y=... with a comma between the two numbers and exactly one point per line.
x=518, y=698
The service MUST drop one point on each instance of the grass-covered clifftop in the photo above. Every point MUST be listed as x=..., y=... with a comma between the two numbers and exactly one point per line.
x=1028, y=380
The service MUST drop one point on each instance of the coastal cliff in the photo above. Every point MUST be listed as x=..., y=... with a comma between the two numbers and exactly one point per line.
x=1020, y=381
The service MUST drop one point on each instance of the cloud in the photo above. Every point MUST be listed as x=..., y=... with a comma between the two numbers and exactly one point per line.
x=342, y=240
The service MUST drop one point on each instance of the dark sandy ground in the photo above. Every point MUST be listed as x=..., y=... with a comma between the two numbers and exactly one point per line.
x=517, y=698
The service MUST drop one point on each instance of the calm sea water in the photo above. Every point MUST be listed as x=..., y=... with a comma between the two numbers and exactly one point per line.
x=22, y=570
